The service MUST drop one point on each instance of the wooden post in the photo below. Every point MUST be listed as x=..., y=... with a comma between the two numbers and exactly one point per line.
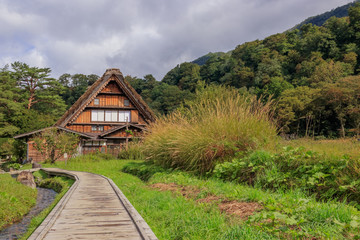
x=127, y=134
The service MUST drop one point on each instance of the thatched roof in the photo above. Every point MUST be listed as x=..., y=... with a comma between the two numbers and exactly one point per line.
x=93, y=91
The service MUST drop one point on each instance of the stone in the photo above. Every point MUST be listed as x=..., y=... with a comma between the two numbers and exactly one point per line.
x=26, y=178
x=36, y=165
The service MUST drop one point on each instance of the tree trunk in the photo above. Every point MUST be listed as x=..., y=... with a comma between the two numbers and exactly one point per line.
x=342, y=129
x=31, y=99
x=52, y=156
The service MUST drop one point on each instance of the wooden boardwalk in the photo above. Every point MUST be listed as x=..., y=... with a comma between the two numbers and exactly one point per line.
x=93, y=208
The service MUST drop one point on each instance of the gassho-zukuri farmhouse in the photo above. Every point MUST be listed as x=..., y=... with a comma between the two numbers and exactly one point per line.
x=106, y=117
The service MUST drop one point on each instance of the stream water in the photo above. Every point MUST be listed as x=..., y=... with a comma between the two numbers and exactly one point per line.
x=44, y=198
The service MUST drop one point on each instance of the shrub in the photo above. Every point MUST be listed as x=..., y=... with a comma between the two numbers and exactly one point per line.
x=54, y=183
x=143, y=170
x=214, y=127
x=296, y=168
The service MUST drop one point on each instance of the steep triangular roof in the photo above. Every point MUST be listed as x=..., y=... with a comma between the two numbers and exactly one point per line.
x=95, y=89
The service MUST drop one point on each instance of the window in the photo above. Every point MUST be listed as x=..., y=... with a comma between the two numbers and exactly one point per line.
x=96, y=101
x=97, y=128
x=126, y=103
x=124, y=116
x=97, y=115
x=110, y=116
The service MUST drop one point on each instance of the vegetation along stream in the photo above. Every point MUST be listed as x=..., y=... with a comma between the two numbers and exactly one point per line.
x=45, y=197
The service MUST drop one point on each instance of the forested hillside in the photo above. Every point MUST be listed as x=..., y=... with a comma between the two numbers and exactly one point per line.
x=320, y=19
x=311, y=73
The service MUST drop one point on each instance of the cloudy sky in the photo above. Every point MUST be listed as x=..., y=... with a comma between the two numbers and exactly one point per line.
x=138, y=36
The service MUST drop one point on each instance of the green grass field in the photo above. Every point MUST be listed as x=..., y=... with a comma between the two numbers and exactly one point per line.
x=16, y=200
x=330, y=147
x=285, y=214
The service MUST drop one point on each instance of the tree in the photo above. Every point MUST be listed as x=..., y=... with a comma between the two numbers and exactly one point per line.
x=296, y=109
x=75, y=85
x=354, y=16
x=39, y=87
x=329, y=72
x=53, y=144
x=185, y=76
x=11, y=104
x=342, y=97
x=166, y=98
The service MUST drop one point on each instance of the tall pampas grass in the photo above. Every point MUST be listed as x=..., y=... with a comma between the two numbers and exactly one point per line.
x=215, y=126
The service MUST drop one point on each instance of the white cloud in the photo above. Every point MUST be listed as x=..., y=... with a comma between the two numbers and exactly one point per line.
x=138, y=36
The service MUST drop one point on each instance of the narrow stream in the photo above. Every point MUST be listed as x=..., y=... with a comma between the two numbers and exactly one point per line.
x=44, y=198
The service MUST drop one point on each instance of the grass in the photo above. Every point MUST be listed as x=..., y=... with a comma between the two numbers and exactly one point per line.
x=214, y=127
x=329, y=147
x=171, y=216
x=163, y=211
x=328, y=219
x=16, y=200
x=52, y=182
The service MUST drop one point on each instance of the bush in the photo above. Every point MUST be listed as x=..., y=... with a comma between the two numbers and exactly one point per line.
x=10, y=164
x=214, y=127
x=54, y=183
x=296, y=168
x=143, y=170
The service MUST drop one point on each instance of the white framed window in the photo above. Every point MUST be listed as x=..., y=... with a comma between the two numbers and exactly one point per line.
x=124, y=116
x=126, y=103
x=97, y=115
x=96, y=101
x=110, y=116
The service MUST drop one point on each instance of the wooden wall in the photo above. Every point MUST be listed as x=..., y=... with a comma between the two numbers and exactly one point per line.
x=87, y=128
x=111, y=100
x=112, y=87
x=84, y=117
x=35, y=155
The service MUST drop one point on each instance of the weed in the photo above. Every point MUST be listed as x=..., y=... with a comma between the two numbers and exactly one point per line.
x=213, y=128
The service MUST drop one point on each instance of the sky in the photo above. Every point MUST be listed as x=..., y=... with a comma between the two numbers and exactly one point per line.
x=139, y=36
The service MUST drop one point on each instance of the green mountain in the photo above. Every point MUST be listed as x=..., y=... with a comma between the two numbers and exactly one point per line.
x=317, y=20
x=312, y=73
x=203, y=59
x=320, y=19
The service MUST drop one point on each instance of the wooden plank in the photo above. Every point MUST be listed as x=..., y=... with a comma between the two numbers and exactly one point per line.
x=134, y=116
x=94, y=208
